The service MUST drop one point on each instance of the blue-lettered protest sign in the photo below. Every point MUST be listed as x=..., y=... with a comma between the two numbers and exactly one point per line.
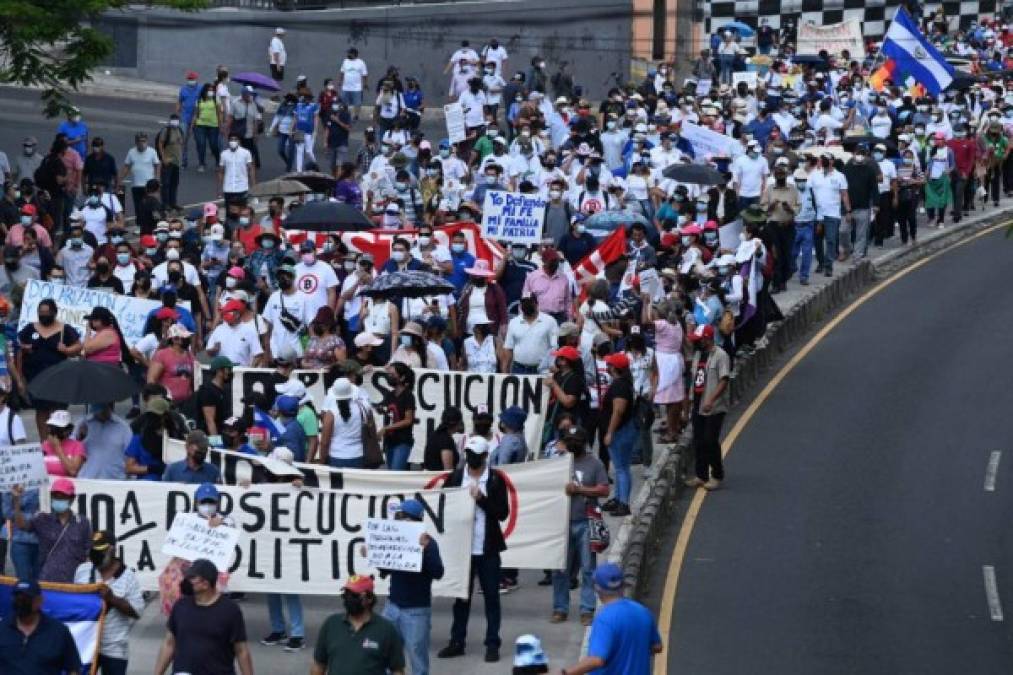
x=513, y=216
x=74, y=303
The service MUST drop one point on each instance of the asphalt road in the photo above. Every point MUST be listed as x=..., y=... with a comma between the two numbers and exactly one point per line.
x=117, y=119
x=855, y=524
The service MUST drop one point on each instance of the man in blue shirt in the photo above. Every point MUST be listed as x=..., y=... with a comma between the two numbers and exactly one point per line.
x=76, y=132
x=624, y=635
x=193, y=469
x=32, y=643
x=307, y=118
x=186, y=107
x=461, y=259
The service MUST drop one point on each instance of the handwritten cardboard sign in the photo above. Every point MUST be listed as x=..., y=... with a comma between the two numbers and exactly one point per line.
x=22, y=465
x=191, y=537
x=456, y=129
x=394, y=544
x=513, y=217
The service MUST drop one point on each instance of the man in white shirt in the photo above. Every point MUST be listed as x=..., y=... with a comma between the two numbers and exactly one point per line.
x=830, y=190
x=749, y=172
x=463, y=60
x=276, y=55
x=286, y=313
x=142, y=164
x=495, y=54
x=474, y=101
x=665, y=154
x=235, y=340
x=453, y=167
x=315, y=280
x=353, y=80
x=236, y=172
x=75, y=256
x=530, y=336
x=173, y=252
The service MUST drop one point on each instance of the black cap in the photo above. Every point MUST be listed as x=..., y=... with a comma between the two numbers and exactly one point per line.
x=203, y=568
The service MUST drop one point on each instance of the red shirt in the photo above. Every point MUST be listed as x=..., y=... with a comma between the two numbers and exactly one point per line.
x=965, y=151
x=248, y=237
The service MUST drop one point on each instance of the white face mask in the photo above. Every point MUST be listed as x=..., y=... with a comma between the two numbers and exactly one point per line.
x=234, y=144
x=207, y=510
x=230, y=282
x=424, y=241
x=397, y=256
x=555, y=194
x=172, y=254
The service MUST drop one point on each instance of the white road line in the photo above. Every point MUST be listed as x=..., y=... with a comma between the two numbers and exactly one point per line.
x=992, y=593
x=991, y=470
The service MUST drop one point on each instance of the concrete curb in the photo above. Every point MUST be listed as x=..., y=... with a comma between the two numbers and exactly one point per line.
x=655, y=503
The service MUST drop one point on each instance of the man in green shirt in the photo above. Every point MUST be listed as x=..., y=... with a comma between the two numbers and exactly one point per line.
x=358, y=641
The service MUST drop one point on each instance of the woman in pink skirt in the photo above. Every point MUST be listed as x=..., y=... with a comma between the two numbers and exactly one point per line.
x=668, y=339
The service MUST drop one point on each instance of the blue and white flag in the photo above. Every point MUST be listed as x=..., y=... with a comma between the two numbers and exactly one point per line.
x=79, y=607
x=905, y=44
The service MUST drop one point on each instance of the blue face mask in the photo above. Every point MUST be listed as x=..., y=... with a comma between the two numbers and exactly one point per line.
x=457, y=248
x=60, y=505
x=406, y=340
x=268, y=244
x=123, y=258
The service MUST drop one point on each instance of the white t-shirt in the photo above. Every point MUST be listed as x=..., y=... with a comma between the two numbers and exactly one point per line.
x=235, y=163
x=142, y=165
x=354, y=70
x=464, y=53
x=476, y=307
x=17, y=428
x=474, y=108
x=346, y=441
x=881, y=126
x=283, y=340
x=749, y=175
x=889, y=172
x=160, y=274
x=496, y=55
x=125, y=274
x=826, y=189
x=95, y=221
x=240, y=343
x=481, y=357
x=277, y=49
x=312, y=281
x=147, y=345
x=436, y=358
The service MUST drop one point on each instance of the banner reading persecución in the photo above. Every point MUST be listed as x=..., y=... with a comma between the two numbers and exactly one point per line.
x=291, y=540
x=535, y=530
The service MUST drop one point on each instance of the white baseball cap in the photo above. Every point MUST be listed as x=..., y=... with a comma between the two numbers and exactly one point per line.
x=477, y=445
x=61, y=418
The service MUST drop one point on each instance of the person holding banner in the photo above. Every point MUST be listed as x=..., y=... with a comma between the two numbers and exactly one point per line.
x=64, y=538
x=121, y=592
x=45, y=343
x=488, y=488
x=35, y=643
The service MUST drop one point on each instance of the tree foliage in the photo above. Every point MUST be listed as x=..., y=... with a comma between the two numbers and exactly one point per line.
x=53, y=44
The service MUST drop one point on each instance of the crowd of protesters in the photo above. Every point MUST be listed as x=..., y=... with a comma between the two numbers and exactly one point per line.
x=821, y=164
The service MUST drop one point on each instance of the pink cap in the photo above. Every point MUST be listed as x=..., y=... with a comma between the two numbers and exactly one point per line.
x=64, y=486
x=425, y=145
x=690, y=230
x=237, y=272
x=210, y=209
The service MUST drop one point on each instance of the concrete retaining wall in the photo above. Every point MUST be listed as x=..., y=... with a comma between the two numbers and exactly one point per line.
x=594, y=35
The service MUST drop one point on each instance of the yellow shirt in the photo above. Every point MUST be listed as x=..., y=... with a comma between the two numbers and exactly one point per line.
x=207, y=113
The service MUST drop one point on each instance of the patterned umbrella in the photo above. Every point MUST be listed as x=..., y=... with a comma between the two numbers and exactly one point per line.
x=314, y=180
x=410, y=284
x=279, y=187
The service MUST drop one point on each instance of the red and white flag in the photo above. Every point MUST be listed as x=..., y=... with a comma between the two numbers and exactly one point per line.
x=609, y=250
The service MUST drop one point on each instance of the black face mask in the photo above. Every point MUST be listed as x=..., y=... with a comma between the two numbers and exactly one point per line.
x=47, y=320
x=186, y=587
x=478, y=282
x=474, y=461
x=574, y=448
x=199, y=457
x=284, y=283
x=354, y=604
x=551, y=267
x=23, y=607
x=13, y=264
x=98, y=558
x=529, y=308
x=175, y=277
x=102, y=268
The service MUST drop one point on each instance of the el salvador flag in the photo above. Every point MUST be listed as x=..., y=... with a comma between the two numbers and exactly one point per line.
x=79, y=610
x=905, y=44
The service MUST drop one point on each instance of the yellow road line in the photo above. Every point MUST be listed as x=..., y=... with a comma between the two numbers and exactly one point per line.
x=689, y=520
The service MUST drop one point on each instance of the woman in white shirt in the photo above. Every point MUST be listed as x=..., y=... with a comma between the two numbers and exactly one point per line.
x=381, y=317
x=480, y=349
x=341, y=427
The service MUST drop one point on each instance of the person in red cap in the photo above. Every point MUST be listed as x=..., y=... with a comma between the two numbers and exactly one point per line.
x=234, y=339
x=567, y=388
x=64, y=538
x=709, y=401
x=28, y=220
x=358, y=641
x=617, y=419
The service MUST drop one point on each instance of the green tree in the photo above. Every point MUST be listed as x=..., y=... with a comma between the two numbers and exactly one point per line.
x=53, y=45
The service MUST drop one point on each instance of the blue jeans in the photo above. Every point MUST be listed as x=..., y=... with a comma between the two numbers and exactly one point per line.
x=414, y=624
x=746, y=202
x=804, y=246
x=26, y=561
x=338, y=463
x=397, y=456
x=621, y=452
x=277, y=617
x=285, y=150
x=727, y=62
x=521, y=369
x=831, y=228
x=580, y=546
x=486, y=568
x=107, y=665
x=207, y=136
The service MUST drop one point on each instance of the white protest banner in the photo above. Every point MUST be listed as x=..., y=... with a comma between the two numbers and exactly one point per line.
x=74, y=303
x=394, y=544
x=834, y=38
x=191, y=537
x=750, y=77
x=434, y=391
x=513, y=216
x=704, y=86
x=708, y=142
x=728, y=235
x=533, y=530
x=456, y=129
x=22, y=465
x=291, y=540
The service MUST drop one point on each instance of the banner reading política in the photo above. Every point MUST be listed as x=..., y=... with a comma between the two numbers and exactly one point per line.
x=73, y=304
x=291, y=540
x=434, y=391
x=513, y=216
x=535, y=531
x=834, y=38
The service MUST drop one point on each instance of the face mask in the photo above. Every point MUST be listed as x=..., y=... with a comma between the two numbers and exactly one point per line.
x=102, y=268
x=26, y=220
x=150, y=251
x=611, y=125
x=122, y=258
x=24, y=607
x=701, y=206
x=162, y=236
x=99, y=558
x=397, y=256
x=474, y=461
x=93, y=201
x=754, y=154
x=230, y=282
x=490, y=180
x=76, y=242
x=244, y=221
x=800, y=184
x=723, y=270
x=686, y=241
x=267, y=244
x=457, y=248
x=309, y=258
x=581, y=229
x=175, y=277
x=172, y=254
x=349, y=265
x=518, y=253
x=354, y=605
x=233, y=144
x=173, y=123
x=908, y=160
x=405, y=340
x=29, y=150
x=919, y=132
x=555, y=194
x=284, y=283
x=878, y=156
x=207, y=510
x=401, y=187
x=60, y=505
x=444, y=153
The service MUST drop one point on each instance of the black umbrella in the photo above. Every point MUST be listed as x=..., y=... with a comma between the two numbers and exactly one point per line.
x=961, y=80
x=79, y=381
x=314, y=180
x=694, y=174
x=851, y=142
x=328, y=216
x=409, y=284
